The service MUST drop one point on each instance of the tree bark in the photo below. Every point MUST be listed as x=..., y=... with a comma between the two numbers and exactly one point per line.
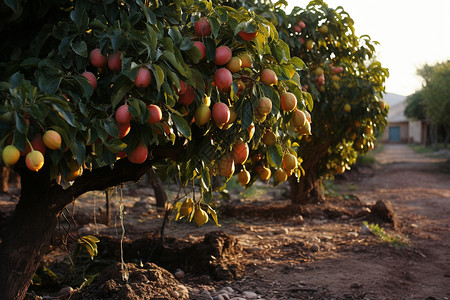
x=308, y=188
x=29, y=233
x=160, y=194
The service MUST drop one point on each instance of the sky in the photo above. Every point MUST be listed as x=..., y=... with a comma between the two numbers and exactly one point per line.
x=411, y=34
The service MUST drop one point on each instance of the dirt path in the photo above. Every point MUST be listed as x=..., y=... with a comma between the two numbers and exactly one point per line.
x=324, y=256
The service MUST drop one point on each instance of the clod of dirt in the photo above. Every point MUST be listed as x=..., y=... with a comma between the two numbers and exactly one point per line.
x=146, y=282
x=382, y=212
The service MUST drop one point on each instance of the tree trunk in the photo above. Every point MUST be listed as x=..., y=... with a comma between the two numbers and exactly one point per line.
x=307, y=190
x=160, y=194
x=29, y=233
x=447, y=135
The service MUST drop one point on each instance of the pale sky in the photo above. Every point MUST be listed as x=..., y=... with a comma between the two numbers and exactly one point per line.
x=411, y=33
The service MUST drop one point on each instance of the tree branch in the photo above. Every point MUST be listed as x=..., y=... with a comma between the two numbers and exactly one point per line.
x=122, y=171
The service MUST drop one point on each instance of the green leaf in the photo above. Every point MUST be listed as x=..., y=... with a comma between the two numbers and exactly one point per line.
x=85, y=85
x=13, y=4
x=21, y=124
x=182, y=126
x=80, y=48
x=275, y=157
x=120, y=89
x=247, y=114
x=215, y=26
x=170, y=57
x=159, y=75
x=66, y=115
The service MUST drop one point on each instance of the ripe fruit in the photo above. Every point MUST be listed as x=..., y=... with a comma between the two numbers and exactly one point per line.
x=264, y=106
x=10, y=155
x=155, y=114
x=52, y=139
x=308, y=116
x=225, y=166
x=75, y=171
x=115, y=62
x=202, y=115
x=223, y=55
x=269, y=138
x=289, y=161
x=298, y=118
x=143, y=77
x=247, y=36
x=368, y=130
x=337, y=70
x=297, y=28
x=182, y=89
x=309, y=44
x=234, y=65
x=251, y=131
x=320, y=80
x=91, y=77
x=301, y=24
x=244, y=177
x=265, y=174
x=305, y=129
x=318, y=71
x=186, y=207
x=233, y=117
x=223, y=79
x=268, y=77
x=335, y=78
x=347, y=107
x=246, y=60
x=281, y=175
x=123, y=116
x=139, y=154
x=97, y=59
x=124, y=129
x=188, y=97
x=202, y=27
x=200, y=217
x=288, y=101
x=34, y=160
x=221, y=113
x=37, y=143
x=240, y=152
x=323, y=29
x=200, y=46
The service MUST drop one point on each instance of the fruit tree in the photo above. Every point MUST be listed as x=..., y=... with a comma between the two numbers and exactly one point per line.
x=346, y=82
x=94, y=94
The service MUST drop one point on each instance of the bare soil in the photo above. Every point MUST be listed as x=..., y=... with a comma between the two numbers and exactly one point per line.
x=265, y=245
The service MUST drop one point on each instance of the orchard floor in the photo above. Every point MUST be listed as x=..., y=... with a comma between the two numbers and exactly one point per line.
x=268, y=249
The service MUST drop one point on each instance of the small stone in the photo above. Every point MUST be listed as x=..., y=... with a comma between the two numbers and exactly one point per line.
x=353, y=234
x=238, y=298
x=298, y=220
x=228, y=289
x=345, y=217
x=221, y=297
x=314, y=248
x=183, y=291
x=281, y=231
x=65, y=291
x=175, y=294
x=413, y=225
x=205, y=292
x=179, y=274
x=365, y=230
x=356, y=285
x=249, y=295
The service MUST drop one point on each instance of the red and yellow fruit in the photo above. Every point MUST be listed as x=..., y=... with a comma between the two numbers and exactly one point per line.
x=201, y=47
x=115, y=62
x=202, y=27
x=123, y=115
x=244, y=177
x=264, y=106
x=200, y=217
x=155, y=114
x=91, y=77
x=139, y=154
x=221, y=113
x=288, y=101
x=34, y=160
x=223, y=55
x=289, y=161
x=240, y=152
x=52, y=139
x=268, y=77
x=223, y=79
x=97, y=59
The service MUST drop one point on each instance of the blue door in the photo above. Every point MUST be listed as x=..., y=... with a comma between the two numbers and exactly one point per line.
x=394, y=134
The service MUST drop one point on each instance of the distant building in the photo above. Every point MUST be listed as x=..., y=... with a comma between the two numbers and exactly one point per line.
x=400, y=129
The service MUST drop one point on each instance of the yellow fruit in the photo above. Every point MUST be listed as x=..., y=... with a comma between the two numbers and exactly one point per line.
x=289, y=161
x=75, y=171
x=281, y=175
x=34, y=160
x=265, y=174
x=187, y=207
x=200, y=217
x=52, y=139
x=10, y=155
x=269, y=138
x=244, y=177
x=225, y=167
